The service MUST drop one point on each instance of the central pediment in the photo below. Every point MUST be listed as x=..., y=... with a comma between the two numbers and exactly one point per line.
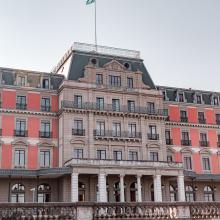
x=114, y=65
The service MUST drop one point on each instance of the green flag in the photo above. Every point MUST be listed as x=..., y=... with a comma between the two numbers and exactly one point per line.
x=88, y=2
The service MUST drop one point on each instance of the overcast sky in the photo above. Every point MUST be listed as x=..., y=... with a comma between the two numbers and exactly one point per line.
x=179, y=40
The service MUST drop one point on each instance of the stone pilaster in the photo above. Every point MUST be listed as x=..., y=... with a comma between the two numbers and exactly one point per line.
x=157, y=188
x=139, y=194
x=74, y=187
x=102, y=188
x=122, y=191
x=181, y=188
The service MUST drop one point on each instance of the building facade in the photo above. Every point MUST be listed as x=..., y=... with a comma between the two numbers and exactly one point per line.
x=98, y=129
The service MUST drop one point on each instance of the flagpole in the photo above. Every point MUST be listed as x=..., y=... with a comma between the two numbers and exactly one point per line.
x=95, y=29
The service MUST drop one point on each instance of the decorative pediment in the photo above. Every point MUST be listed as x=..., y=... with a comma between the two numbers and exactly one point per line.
x=20, y=143
x=45, y=144
x=186, y=150
x=171, y=150
x=77, y=141
x=153, y=145
x=114, y=65
x=205, y=151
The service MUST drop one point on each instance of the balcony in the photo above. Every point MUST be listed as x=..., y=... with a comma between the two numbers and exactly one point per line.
x=78, y=132
x=45, y=108
x=112, y=108
x=184, y=119
x=45, y=134
x=20, y=133
x=153, y=136
x=186, y=142
x=202, y=121
x=204, y=143
x=116, y=135
x=218, y=122
x=169, y=141
x=21, y=106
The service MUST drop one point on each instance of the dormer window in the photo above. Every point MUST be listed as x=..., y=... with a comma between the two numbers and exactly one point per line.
x=21, y=81
x=198, y=99
x=130, y=82
x=215, y=100
x=164, y=95
x=181, y=97
x=45, y=83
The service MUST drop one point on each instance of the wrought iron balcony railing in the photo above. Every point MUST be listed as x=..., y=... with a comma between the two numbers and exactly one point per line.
x=186, y=142
x=202, y=121
x=20, y=133
x=78, y=132
x=45, y=134
x=113, y=108
x=21, y=106
x=169, y=141
x=218, y=122
x=118, y=134
x=184, y=119
x=153, y=136
x=204, y=143
x=45, y=108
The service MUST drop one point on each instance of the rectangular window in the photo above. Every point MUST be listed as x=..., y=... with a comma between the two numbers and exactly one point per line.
x=168, y=137
x=100, y=128
x=151, y=107
x=153, y=129
x=133, y=155
x=153, y=156
x=132, y=130
x=45, y=104
x=187, y=162
x=116, y=129
x=99, y=79
x=203, y=136
x=21, y=102
x=20, y=128
x=117, y=155
x=114, y=81
x=169, y=158
x=181, y=97
x=100, y=103
x=45, y=83
x=21, y=81
x=101, y=154
x=215, y=100
x=201, y=117
x=116, y=105
x=78, y=153
x=206, y=164
x=183, y=116
x=185, y=135
x=131, y=106
x=78, y=101
x=19, y=158
x=78, y=127
x=130, y=82
x=217, y=119
x=198, y=99
x=45, y=130
x=44, y=158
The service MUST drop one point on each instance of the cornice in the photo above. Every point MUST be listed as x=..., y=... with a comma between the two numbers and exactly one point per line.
x=181, y=124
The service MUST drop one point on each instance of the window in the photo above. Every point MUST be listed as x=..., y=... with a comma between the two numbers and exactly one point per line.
x=151, y=107
x=21, y=81
x=206, y=164
x=45, y=83
x=201, y=117
x=20, y=128
x=44, y=193
x=114, y=81
x=217, y=119
x=78, y=128
x=99, y=79
x=153, y=156
x=208, y=194
x=203, y=140
x=101, y=154
x=78, y=101
x=132, y=130
x=187, y=162
x=218, y=144
x=117, y=155
x=153, y=133
x=131, y=106
x=168, y=137
x=183, y=116
x=45, y=104
x=169, y=158
x=116, y=105
x=100, y=128
x=198, y=99
x=130, y=82
x=78, y=153
x=17, y=193
x=164, y=95
x=189, y=194
x=19, y=158
x=181, y=97
x=45, y=158
x=215, y=100
x=116, y=129
x=133, y=155
x=100, y=103
x=45, y=130
x=21, y=102
x=185, y=138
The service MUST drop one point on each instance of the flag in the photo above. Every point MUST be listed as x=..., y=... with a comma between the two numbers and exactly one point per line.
x=88, y=2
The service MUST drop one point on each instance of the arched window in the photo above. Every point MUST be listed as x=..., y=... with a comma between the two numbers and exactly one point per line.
x=82, y=192
x=133, y=192
x=152, y=192
x=190, y=195
x=208, y=194
x=44, y=193
x=17, y=192
x=173, y=194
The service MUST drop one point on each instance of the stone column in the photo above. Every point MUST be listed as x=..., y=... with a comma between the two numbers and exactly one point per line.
x=181, y=188
x=139, y=195
x=74, y=187
x=157, y=188
x=102, y=187
x=122, y=190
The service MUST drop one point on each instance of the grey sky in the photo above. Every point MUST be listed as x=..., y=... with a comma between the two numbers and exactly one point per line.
x=179, y=40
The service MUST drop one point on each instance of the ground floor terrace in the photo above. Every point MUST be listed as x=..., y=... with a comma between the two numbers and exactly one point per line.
x=108, y=181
